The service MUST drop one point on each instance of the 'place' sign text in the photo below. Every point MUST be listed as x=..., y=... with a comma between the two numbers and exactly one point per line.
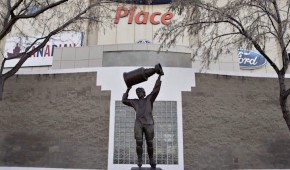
x=142, y=17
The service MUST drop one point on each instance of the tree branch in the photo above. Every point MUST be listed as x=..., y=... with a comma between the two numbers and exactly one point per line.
x=258, y=47
x=7, y=27
x=16, y=5
x=286, y=20
x=286, y=93
x=35, y=14
x=2, y=66
x=26, y=55
x=281, y=39
x=287, y=44
x=222, y=35
x=8, y=7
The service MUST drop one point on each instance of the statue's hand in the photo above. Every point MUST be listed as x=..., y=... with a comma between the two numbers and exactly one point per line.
x=128, y=89
x=159, y=76
x=161, y=73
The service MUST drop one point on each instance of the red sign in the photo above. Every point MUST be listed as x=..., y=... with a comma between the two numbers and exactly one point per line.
x=142, y=17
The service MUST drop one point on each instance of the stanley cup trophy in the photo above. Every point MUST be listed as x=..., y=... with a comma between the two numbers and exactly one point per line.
x=143, y=106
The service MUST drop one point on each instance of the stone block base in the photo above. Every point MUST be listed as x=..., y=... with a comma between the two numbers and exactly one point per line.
x=145, y=168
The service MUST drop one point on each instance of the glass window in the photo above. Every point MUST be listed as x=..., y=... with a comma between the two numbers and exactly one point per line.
x=165, y=132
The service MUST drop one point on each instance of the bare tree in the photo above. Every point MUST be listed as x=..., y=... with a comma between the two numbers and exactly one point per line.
x=225, y=24
x=45, y=18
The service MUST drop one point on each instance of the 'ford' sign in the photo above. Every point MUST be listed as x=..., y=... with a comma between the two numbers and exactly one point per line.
x=249, y=59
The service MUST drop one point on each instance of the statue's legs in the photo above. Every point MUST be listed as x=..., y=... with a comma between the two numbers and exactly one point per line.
x=149, y=134
x=150, y=153
x=139, y=141
x=139, y=151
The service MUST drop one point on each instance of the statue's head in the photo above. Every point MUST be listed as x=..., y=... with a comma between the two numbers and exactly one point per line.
x=140, y=92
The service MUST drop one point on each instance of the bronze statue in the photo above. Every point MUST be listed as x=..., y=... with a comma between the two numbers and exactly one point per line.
x=143, y=106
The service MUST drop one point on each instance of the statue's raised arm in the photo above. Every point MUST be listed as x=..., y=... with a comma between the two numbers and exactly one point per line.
x=125, y=99
x=156, y=89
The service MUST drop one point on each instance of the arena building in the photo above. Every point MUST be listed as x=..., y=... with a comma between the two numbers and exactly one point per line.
x=63, y=109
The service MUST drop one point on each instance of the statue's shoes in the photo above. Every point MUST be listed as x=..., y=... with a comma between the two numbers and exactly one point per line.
x=152, y=163
x=139, y=162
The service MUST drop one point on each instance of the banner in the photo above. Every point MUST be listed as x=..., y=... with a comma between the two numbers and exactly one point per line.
x=43, y=57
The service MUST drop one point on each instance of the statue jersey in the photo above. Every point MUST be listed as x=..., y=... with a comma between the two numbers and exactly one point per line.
x=144, y=107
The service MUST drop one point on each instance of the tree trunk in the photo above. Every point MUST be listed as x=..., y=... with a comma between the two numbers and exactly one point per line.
x=1, y=88
x=283, y=100
x=285, y=110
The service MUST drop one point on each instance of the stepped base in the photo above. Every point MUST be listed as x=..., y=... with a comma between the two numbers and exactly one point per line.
x=145, y=168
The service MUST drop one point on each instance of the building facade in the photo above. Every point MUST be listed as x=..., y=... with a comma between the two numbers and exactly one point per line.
x=63, y=109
